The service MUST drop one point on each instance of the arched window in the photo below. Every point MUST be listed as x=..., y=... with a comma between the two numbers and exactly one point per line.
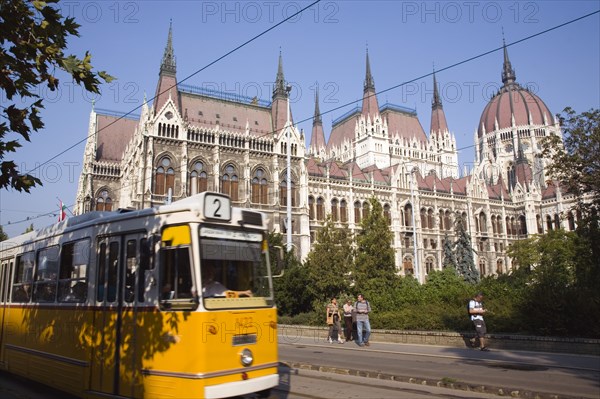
x=408, y=215
x=494, y=230
x=423, y=218
x=198, y=179
x=283, y=193
x=428, y=265
x=164, y=178
x=482, y=222
x=523, y=225
x=343, y=211
x=260, y=187
x=447, y=224
x=482, y=272
x=366, y=210
x=540, y=226
x=407, y=266
x=387, y=214
x=103, y=202
x=557, y=221
x=311, y=207
x=334, y=210
x=508, y=227
x=357, y=212
x=549, y=222
x=430, y=219
x=499, y=266
x=320, y=210
x=571, y=220
x=230, y=182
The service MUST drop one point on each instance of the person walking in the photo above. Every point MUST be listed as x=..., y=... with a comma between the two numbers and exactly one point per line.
x=333, y=320
x=348, y=308
x=363, y=308
x=476, y=311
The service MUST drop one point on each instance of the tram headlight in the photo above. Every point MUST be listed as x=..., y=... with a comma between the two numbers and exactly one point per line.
x=246, y=357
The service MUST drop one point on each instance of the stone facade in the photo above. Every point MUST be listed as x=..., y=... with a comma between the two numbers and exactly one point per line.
x=192, y=139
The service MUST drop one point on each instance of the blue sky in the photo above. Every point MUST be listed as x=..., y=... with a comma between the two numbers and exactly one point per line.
x=324, y=47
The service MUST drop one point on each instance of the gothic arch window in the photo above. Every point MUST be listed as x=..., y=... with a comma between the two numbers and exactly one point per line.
x=408, y=215
x=230, y=182
x=430, y=219
x=508, y=227
x=260, y=187
x=311, y=207
x=334, y=210
x=539, y=223
x=357, y=212
x=571, y=220
x=523, y=225
x=366, y=210
x=407, y=266
x=103, y=201
x=429, y=262
x=164, y=177
x=320, y=210
x=499, y=266
x=494, y=227
x=387, y=214
x=482, y=222
x=283, y=193
x=343, y=211
x=423, y=218
x=447, y=224
x=482, y=267
x=198, y=178
x=557, y=221
x=549, y=222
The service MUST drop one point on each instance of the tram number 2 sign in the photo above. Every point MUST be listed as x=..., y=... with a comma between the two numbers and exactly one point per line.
x=217, y=207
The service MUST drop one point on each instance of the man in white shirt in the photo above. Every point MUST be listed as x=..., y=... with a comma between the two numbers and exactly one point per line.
x=476, y=311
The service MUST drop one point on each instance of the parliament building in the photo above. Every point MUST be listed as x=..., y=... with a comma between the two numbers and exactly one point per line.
x=191, y=139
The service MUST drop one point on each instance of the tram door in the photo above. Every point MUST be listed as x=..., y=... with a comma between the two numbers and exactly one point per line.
x=115, y=364
x=5, y=269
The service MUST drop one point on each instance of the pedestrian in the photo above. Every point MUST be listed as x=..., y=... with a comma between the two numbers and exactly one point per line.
x=363, y=308
x=333, y=321
x=348, y=308
x=476, y=311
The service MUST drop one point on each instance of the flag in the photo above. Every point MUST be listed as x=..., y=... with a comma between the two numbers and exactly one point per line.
x=62, y=213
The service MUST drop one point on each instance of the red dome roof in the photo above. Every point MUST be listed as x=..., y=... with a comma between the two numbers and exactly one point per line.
x=527, y=108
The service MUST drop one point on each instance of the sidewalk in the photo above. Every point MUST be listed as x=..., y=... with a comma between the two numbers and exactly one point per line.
x=514, y=373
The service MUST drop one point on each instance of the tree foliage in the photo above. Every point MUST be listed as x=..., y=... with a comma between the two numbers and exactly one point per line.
x=375, y=256
x=33, y=39
x=328, y=264
x=448, y=256
x=3, y=235
x=465, y=263
x=576, y=158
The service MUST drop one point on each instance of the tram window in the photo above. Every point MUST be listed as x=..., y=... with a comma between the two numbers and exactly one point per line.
x=113, y=262
x=23, y=275
x=72, y=282
x=101, y=273
x=145, y=264
x=46, y=276
x=175, y=273
x=130, y=270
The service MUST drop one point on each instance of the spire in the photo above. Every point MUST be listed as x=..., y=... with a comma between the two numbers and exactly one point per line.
x=168, y=64
x=438, y=117
x=436, y=102
x=279, y=89
x=317, y=117
x=369, y=82
x=508, y=73
x=369, y=104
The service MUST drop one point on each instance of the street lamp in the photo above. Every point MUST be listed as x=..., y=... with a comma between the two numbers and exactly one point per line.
x=288, y=89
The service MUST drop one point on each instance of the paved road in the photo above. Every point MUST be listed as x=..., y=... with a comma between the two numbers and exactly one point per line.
x=520, y=373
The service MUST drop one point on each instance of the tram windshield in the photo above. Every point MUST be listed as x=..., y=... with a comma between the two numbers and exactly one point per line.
x=235, y=270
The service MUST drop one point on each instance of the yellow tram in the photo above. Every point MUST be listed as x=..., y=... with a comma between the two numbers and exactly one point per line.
x=168, y=302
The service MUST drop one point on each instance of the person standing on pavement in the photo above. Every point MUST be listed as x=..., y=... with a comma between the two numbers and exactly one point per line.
x=333, y=320
x=363, y=308
x=476, y=311
x=348, y=319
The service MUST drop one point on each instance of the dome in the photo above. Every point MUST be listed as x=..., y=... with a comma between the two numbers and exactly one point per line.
x=512, y=101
